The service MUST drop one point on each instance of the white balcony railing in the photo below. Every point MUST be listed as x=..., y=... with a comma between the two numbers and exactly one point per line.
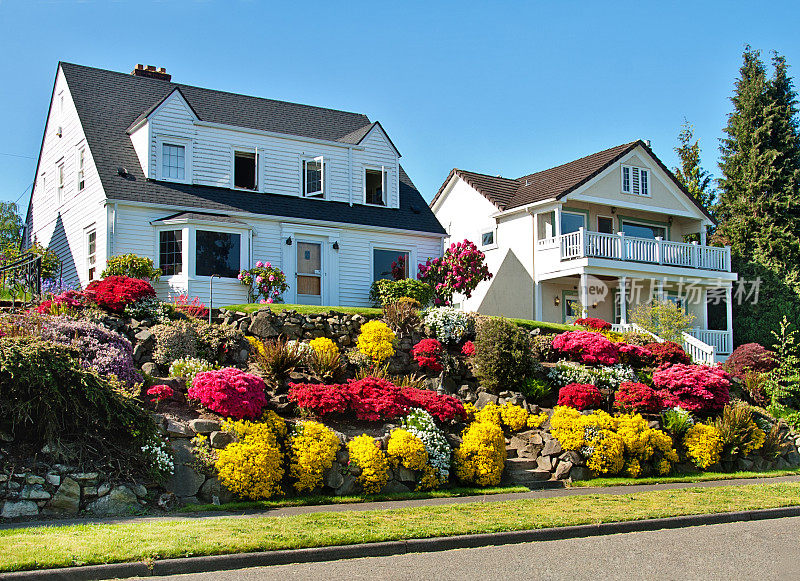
x=588, y=244
x=721, y=340
x=702, y=345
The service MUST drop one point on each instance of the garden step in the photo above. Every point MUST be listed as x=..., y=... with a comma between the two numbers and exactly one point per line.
x=521, y=476
x=517, y=464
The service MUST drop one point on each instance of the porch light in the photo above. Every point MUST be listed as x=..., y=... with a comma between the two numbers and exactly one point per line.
x=556, y=300
x=335, y=245
x=289, y=241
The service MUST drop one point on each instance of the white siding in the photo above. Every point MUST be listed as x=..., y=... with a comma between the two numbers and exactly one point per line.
x=141, y=144
x=61, y=227
x=378, y=152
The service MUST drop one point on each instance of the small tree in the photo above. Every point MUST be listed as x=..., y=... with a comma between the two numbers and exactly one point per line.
x=460, y=270
x=663, y=318
x=133, y=266
x=503, y=358
x=783, y=382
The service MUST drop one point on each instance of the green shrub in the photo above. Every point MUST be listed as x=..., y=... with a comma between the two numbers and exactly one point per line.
x=383, y=291
x=131, y=265
x=502, y=357
x=663, y=318
x=47, y=397
x=536, y=389
x=193, y=338
x=739, y=432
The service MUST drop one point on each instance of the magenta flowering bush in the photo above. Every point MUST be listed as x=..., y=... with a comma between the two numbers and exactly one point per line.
x=596, y=349
x=230, y=392
x=692, y=387
x=460, y=270
x=265, y=283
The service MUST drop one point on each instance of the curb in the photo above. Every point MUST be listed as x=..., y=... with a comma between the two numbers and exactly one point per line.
x=182, y=566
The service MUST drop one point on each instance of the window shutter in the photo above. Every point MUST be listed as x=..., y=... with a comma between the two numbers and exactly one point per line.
x=255, y=180
x=384, y=193
x=635, y=181
x=321, y=161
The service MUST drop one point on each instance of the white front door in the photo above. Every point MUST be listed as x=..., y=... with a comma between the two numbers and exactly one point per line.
x=309, y=272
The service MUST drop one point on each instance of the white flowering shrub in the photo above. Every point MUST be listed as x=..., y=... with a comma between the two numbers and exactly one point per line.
x=421, y=424
x=160, y=458
x=148, y=308
x=566, y=372
x=304, y=349
x=449, y=324
x=187, y=367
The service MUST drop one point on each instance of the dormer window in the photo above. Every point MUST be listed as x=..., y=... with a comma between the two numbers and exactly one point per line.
x=173, y=162
x=245, y=170
x=375, y=186
x=314, y=178
x=635, y=180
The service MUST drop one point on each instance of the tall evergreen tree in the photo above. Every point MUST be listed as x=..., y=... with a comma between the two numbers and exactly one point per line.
x=758, y=199
x=694, y=178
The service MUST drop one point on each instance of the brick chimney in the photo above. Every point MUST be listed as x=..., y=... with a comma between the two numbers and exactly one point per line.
x=152, y=72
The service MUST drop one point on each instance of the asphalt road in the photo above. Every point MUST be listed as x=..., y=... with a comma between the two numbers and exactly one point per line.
x=767, y=549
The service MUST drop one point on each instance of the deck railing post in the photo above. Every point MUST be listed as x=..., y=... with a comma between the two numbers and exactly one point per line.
x=622, y=250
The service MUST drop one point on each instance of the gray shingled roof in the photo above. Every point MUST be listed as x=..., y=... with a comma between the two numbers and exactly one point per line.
x=108, y=103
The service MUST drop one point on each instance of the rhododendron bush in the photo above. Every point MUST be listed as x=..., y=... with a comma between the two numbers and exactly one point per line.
x=460, y=270
x=230, y=392
x=692, y=387
x=595, y=349
x=374, y=399
x=580, y=396
x=116, y=292
x=427, y=354
x=593, y=323
x=637, y=397
x=667, y=352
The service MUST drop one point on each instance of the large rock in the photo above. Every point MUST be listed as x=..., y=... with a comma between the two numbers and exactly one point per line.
x=563, y=470
x=202, y=426
x=348, y=486
x=220, y=439
x=179, y=429
x=185, y=481
x=34, y=492
x=551, y=448
x=333, y=477
x=67, y=499
x=262, y=327
x=121, y=500
x=215, y=492
x=579, y=473
x=484, y=399
x=19, y=509
x=182, y=451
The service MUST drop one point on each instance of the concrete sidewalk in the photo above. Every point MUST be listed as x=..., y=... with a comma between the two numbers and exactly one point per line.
x=397, y=504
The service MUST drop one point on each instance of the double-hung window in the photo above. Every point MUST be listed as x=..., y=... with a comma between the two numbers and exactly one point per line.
x=635, y=180
x=314, y=178
x=60, y=183
x=170, y=252
x=173, y=161
x=245, y=170
x=91, y=254
x=81, y=173
x=375, y=182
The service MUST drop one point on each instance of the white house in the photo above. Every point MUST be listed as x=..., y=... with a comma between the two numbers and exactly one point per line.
x=206, y=182
x=602, y=233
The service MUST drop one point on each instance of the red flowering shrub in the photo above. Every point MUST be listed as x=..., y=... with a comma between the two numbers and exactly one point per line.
x=114, y=293
x=580, y=396
x=160, y=392
x=586, y=347
x=427, y=354
x=194, y=308
x=750, y=356
x=667, y=352
x=230, y=392
x=468, y=350
x=637, y=397
x=693, y=387
x=374, y=399
x=69, y=299
x=459, y=270
x=593, y=323
x=634, y=355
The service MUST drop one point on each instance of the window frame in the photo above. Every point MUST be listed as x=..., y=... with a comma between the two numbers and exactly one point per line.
x=80, y=168
x=91, y=257
x=641, y=222
x=412, y=263
x=582, y=213
x=187, y=145
x=243, y=250
x=602, y=217
x=384, y=171
x=493, y=232
x=245, y=150
x=180, y=230
x=639, y=172
x=60, y=182
x=321, y=194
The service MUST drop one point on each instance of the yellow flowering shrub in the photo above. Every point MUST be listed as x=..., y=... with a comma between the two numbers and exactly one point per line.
x=405, y=449
x=481, y=457
x=376, y=341
x=702, y=444
x=312, y=451
x=323, y=345
x=646, y=449
x=252, y=467
x=257, y=346
x=470, y=410
x=536, y=420
x=372, y=461
x=508, y=415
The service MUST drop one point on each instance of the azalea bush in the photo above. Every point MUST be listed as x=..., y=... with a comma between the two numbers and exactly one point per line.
x=580, y=396
x=67, y=302
x=459, y=270
x=468, y=349
x=692, y=387
x=230, y=392
x=114, y=293
x=428, y=353
x=667, y=352
x=750, y=357
x=593, y=323
x=265, y=283
x=637, y=397
x=594, y=348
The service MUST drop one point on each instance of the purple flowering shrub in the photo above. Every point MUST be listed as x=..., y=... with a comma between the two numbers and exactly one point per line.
x=102, y=350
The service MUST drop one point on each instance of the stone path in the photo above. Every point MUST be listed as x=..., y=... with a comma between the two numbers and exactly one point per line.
x=395, y=504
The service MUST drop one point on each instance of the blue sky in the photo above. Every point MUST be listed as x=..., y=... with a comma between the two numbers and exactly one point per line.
x=502, y=88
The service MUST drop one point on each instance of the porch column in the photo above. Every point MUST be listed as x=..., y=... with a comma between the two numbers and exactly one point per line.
x=537, y=301
x=584, y=290
x=623, y=300
x=557, y=225
x=703, y=234
x=729, y=309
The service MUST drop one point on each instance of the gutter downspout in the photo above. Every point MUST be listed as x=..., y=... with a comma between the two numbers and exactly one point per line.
x=350, y=175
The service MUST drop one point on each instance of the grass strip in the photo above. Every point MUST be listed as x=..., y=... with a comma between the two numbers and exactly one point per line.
x=305, y=309
x=317, y=500
x=63, y=546
x=689, y=477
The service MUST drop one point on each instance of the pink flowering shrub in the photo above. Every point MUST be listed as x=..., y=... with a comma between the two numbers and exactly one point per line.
x=637, y=397
x=593, y=323
x=159, y=393
x=265, y=283
x=67, y=300
x=468, y=350
x=692, y=387
x=580, y=396
x=427, y=354
x=460, y=270
x=230, y=392
x=586, y=347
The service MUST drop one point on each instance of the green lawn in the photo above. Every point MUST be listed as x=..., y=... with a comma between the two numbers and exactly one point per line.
x=693, y=477
x=542, y=325
x=62, y=546
x=306, y=309
x=323, y=499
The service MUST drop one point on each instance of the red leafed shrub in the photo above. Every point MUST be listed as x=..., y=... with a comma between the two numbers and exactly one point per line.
x=445, y=408
x=230, y=392
x=693, y=387
x=374, y=399
x=637, y=397
x=593, y=323
x=587, y=347
x=750, y=356
x=468, y=350
x=114, y=293
x=634, y=355
x=427, y=354
x=580, y=396
x=667, y=352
